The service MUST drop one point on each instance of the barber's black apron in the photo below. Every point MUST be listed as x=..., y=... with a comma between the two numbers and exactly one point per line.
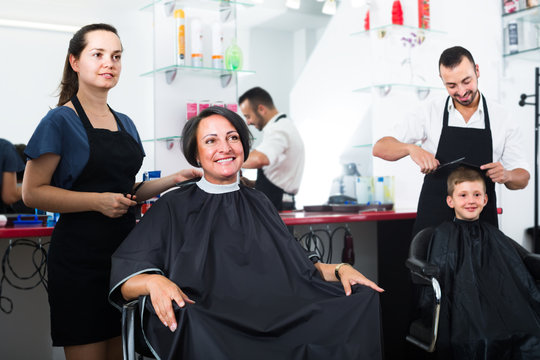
x=272, y=191
x=82, y=243
x=476, y=146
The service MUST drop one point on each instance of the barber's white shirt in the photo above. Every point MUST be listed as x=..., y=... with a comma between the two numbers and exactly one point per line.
x=425, y=125
x=284, y=148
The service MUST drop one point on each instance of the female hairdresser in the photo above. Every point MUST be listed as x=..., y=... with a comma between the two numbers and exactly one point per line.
x=83, y=160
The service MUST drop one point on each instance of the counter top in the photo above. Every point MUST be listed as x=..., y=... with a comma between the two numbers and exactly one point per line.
x=297, y=217
x=25, y=231
x=300, y=217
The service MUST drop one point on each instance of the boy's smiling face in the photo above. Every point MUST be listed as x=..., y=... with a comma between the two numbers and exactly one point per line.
x=468, y=200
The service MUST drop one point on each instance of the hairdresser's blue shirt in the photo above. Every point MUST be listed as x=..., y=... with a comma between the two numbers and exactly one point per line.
x=61, y=132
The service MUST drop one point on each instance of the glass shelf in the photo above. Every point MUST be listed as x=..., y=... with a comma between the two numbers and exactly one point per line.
x=531, y=15
x=210, y=4
x=167, y=138
x=381, y=31
x=384, y=89
x=195, y=69
x=529, y=54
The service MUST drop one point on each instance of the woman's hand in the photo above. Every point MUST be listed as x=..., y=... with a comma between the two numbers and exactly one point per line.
x=350, y=276
x=162, y=293
x=347, y=275
x=187, y=174
x=114, y=205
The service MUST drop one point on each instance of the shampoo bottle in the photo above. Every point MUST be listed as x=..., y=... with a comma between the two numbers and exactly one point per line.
x=233, y=57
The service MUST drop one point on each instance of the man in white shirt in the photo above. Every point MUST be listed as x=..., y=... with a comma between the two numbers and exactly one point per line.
x=455, y=127
x=279, y=158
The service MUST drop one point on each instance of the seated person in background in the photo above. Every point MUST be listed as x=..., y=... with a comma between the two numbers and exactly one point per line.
x=19, y=207
x=221, y=276
x=10, y=164
x=490, y=307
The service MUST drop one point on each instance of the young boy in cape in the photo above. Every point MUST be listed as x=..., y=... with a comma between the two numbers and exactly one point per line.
x=490, y=306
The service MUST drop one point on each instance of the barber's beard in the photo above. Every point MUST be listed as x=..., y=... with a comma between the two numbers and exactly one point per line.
x=260, y=122
x=468, y=102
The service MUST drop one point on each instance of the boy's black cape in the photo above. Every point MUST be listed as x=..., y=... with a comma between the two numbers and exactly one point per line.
x=490, y=305
x=257, y=294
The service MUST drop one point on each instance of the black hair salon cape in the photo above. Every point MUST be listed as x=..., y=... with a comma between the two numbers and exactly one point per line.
x=257, y=294
x=490, y=306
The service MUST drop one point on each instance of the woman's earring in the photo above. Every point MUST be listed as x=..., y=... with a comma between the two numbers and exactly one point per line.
x=198, y=163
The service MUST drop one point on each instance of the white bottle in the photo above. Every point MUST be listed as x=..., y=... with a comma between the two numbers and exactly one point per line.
x=379, y=190
x=217, y=46
x=196, y=43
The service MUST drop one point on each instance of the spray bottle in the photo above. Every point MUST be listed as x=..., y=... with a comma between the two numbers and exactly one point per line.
x=181, y=37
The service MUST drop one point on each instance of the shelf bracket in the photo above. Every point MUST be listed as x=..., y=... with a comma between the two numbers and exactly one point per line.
x=225, y=79
x=169, y=143
x=168, y=7
x=170, y=75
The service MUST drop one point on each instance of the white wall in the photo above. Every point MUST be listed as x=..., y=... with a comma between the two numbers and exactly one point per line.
x=270, y=54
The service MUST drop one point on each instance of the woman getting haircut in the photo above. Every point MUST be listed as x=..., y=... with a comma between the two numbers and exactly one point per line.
x=220, y=276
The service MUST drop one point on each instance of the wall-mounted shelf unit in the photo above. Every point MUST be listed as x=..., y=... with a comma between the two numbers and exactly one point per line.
x=204, y=84
x=421, y=90
x=201, y=4
x=521, y=34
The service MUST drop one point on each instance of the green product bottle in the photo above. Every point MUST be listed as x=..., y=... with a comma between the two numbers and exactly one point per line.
x=233, y=57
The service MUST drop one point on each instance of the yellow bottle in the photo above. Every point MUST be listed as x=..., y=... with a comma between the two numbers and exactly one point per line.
x=181, y=37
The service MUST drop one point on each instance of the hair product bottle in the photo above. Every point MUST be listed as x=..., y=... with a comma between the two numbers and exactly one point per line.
x=423, y=14
x=217, y=46
x=397, y=13
x=196, y=43
x=513, y=40
x=233, y=57
x=180, y=37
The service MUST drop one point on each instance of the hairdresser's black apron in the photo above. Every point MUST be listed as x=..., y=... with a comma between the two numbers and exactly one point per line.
x=476, y=146
x=82, y=243
x=272, y=191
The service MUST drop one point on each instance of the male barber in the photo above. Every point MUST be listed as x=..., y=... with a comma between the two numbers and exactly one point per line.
x=279, y=158
x=464, y=124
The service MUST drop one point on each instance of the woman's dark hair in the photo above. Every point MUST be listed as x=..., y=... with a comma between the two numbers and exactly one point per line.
x=452, y=57
x=189, y=133
x=70, y=81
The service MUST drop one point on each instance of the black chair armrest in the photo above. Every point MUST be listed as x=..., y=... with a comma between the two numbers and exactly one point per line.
x=422, y=267
x=532, y=261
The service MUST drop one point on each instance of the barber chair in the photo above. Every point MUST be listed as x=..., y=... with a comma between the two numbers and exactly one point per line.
x=422, y=331
x=133, y=344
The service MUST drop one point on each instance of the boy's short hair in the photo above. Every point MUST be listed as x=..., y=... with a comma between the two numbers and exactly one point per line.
x=462, y=174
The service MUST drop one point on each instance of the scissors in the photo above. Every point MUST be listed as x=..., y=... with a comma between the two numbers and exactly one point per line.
x=450, y=163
